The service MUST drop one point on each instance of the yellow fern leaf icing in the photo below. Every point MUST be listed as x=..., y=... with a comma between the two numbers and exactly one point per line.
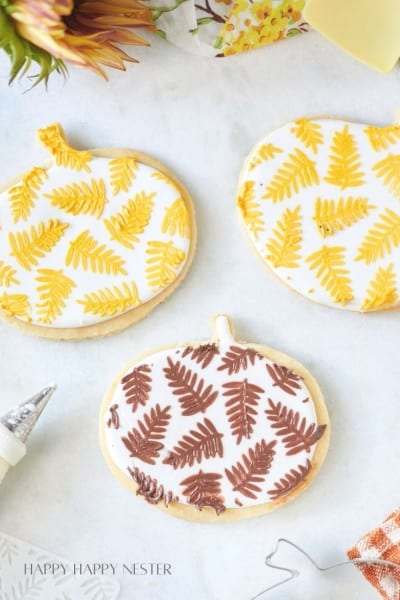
x=345, y=161
x=111, y=301
x=91, y=237
x=381, y=138
x=388, y=170
x=133, y=218
x=382, y=291
x=30, y=245
x=249, y=208
x=308, y=132
x=324, y=212
x=329, y=264
x=54, y=288
x=23, y=196
x=176, y=219
x=381, y=239
x=166, y=179
x=7, y=275
x=86, y=253
x=285, y=244
x=297, y=172
x=53, y=138
x=265, y=152
x=80, y=198
x=163, y=260
x=16, y=305
x=122, y=173
x=334, y=215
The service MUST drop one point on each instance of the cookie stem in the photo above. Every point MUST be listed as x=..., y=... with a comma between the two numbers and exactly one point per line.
x=223, y=329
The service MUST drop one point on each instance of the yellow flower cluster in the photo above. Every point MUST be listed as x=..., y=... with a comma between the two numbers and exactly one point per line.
x=254, y=24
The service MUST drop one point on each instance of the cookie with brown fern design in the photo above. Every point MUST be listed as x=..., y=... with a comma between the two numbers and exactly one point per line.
x=218, y=430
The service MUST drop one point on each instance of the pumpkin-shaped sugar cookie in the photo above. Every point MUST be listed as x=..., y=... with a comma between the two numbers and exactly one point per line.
x=215, y=431
x=320, y=200
x=92, y=242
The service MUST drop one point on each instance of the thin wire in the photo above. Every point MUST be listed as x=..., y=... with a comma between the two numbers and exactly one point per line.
x=293, y=573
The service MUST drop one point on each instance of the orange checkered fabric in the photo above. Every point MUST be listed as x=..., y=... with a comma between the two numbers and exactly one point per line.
x=382, y=543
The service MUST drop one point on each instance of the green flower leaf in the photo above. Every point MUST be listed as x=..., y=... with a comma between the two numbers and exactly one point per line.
x=218, y=43
x=23, y=53
x=204, y=21
x=293, y=32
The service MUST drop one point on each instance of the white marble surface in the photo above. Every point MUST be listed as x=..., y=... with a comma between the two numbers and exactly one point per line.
x=201, y=116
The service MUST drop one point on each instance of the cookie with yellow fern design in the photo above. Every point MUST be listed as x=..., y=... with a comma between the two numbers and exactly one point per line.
x=320, y=201
x=215, y=431
x=91, y=242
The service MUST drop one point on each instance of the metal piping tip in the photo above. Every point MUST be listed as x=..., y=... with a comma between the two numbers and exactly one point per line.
x=22, y=419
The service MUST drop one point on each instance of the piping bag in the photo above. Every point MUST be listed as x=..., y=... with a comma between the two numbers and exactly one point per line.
x=16, y=426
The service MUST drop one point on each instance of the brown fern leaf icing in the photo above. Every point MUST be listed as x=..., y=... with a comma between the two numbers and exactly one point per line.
x=204, y=489
x=297, y=434
x=237, y=359
x=290, y=481
x=201, y=443
x=323, y=213
x=241, y=407
x=194, y=396
x=149, y=488
x=112, y=231
x=284, y=378
x=202, y=354
x=245, y=475
x=222, y=425
x=137, y=386
x=144, y=442
x=113, y=421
